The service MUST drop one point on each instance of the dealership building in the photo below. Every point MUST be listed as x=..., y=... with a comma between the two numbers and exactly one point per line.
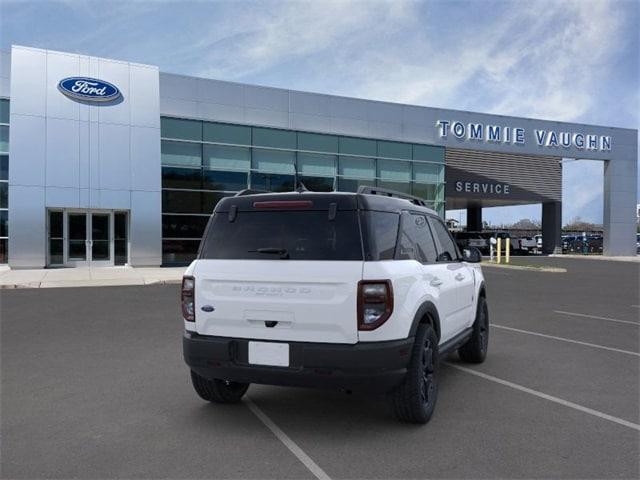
x=106, y=162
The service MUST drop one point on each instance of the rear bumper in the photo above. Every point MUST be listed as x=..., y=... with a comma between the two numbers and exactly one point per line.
x=371, y=366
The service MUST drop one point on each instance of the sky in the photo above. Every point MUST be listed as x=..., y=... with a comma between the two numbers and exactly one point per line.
x=567, y=60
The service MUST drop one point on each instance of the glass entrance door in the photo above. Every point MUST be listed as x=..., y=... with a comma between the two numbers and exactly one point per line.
x=83, y=238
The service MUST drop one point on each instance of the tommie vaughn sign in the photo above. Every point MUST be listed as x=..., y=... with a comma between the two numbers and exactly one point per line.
x=89, y=89
x=515, y=135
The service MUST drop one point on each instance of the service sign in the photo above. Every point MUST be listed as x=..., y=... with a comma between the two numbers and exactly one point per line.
x=88, y=89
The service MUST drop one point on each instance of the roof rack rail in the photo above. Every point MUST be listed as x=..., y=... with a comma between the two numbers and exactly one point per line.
x=249, y=191
x=366, y=189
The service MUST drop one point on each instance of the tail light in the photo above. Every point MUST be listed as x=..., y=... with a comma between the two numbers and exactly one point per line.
x=188, y=299
x=375, y=303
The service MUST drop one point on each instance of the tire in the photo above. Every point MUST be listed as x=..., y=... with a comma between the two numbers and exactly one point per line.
x=415, y=399
x=475, y=349
x=218, y=391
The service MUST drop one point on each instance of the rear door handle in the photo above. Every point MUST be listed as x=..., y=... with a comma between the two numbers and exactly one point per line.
x=436, y=282
x=459, y=277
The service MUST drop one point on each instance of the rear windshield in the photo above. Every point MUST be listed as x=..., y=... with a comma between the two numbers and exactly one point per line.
x=284, y=235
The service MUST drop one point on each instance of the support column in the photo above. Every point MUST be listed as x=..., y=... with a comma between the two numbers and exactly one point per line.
x=619, y=213
x=552, y=227
x=474, y=219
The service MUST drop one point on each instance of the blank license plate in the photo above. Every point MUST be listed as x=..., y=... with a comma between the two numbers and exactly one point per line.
x=269, y=353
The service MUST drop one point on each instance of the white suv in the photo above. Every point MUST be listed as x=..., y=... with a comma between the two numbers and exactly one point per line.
x=354, y=291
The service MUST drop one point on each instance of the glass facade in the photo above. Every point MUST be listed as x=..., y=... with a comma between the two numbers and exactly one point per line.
x=203, y=162
x=4, y=180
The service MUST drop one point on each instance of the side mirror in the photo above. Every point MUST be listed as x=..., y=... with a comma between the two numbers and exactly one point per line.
x=471, y=255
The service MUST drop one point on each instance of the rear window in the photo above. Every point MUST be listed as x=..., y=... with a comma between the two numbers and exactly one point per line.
x=276, y=235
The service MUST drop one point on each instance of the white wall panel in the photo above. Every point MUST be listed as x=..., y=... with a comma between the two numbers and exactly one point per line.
x=115, y=154
x=63, y=153
x=144, y=97
x=145, y=155
x=27, y=142
x=28, y=81
x=118, y=74
x=59, y=66
x=266, y=98
x=115, y=199
x=62, y=197
x=27, y=235
x=223, y=93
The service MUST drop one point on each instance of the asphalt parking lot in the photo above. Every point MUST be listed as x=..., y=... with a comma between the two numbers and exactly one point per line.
x=94, y=386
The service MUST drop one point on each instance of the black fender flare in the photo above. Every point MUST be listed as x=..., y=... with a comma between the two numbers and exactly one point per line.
x=427, y=309
x=482, y=291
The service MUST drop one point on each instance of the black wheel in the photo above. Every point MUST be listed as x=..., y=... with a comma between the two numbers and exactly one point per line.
x=415, y=399
x=475, y=350
x=219, y=391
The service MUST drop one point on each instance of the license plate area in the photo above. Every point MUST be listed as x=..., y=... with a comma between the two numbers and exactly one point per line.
x=272, y=354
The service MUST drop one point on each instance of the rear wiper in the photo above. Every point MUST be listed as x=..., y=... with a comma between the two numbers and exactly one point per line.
x=284, y=254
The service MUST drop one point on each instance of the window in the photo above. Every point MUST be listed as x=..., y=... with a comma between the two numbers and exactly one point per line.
x=274, y=161
x=4, y=139
x=317, y=184
x=394, y=150
x=428, y=173
x=316, y=164
x=173, y=177
x=302, y=235
x=179, y=252
x=396, y=186
x=4, y=195
x=427, y=153
x=4, y=223
x=227, y=181
x=184, y=226
x=120, y=242
x=416, y=242
x=317, y=143
x=271, y=137
x=176, y=201
x=351, y=185
x=4, y=167
x=180, y=153
x=227, y=158
x=394, y=171
x=382, y=233
x=223, y=133
x=426, y=191
x=182, y=129
x=447, y=250
x=358, y=146
x=357, y=167
x=272, y=183
x=4, y=111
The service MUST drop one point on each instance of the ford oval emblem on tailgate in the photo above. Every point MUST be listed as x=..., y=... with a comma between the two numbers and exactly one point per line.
x=207, y=308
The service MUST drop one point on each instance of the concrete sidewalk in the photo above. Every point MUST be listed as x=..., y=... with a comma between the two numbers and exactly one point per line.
x=88, y=277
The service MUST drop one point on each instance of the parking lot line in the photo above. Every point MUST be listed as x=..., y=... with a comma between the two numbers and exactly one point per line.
x=290, y=444
x=609, y=319
x=563, y=339
x=545, y=396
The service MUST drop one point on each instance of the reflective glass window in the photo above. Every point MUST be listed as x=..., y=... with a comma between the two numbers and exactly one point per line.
x=427, y=191
x=227, y=158
x=179, y=251
x=395, y=171
x=4, y=139
x=394, y=150
x=316, y=164
x=4, y=257
x=183, y=226
x=358, y=146
x=175, y=177
x=447, y=251
x=428, y=172
x=271, y=137
x=317, y=184
x=401, y=187
x=182, y=129
x=4, y=111
x=180, y=153
x=4, y=195
x=228, y=181
x=224, y=133
x=382, y=231
x=4, y=223
x=351, y=185
x=317, y=143
x=210, y=200
x=356, y=167
x=175, y=201
x=272, y=182
x=4, y=167
x=428, y=153
x=120, y=241
x=273, y=161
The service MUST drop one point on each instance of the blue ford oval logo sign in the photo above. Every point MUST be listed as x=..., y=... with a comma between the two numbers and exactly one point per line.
x=89, y=89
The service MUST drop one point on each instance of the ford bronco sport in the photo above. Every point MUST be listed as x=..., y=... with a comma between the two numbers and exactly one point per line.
x=355, y=291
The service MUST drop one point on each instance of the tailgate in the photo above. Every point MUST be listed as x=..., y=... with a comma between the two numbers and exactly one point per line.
x=302, y=301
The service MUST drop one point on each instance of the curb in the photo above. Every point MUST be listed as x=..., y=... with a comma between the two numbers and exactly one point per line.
x=523, y=267
x=89, y=283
